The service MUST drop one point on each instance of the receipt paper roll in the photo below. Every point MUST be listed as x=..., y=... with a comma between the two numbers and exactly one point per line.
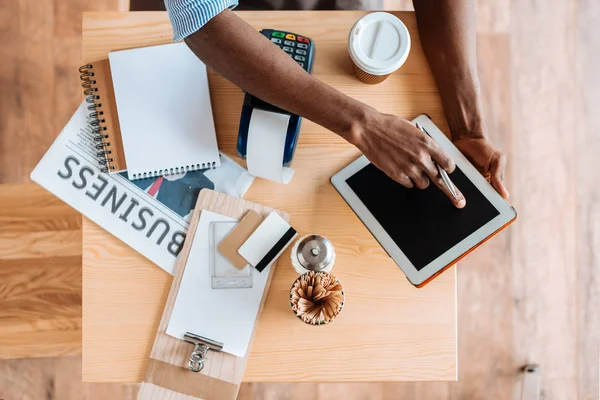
x=266, y=141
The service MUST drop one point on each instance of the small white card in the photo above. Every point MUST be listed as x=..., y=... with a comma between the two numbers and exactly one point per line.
x=267, y=242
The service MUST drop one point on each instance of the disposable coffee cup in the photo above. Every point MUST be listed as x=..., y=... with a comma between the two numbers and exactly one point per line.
x=378, y=44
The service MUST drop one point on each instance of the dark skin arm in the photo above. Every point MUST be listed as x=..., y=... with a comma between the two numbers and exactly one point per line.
x=453, y=63
x=229, y=46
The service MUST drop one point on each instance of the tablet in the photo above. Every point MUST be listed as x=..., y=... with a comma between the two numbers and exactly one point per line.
x=421, y=230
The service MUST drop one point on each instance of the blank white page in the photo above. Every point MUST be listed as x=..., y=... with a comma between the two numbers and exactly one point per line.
x=164, y=110
x=225, y=315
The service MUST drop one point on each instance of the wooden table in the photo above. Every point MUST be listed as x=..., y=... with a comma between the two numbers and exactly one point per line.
x=388, y=330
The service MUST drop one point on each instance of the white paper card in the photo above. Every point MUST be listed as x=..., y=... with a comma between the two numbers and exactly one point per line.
x=263, y=239
x=227, y=316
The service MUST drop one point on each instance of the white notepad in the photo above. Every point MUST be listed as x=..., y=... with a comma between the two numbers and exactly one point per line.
x=164, y=110
x=225, y=315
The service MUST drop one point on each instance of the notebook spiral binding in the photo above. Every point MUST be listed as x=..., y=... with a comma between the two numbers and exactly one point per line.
x=96, y=120
x=175, y=170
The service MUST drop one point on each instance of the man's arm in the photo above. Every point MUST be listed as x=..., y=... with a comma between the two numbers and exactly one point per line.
x=447, y=33
x=237, y=51
x=234, y=49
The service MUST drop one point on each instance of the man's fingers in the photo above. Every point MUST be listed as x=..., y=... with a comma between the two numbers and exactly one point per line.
x=404, y=180
x=440, y=156
x=459, y=200
x=419, y=178
x=436, y=153
x=421, y=182
x=497, y=168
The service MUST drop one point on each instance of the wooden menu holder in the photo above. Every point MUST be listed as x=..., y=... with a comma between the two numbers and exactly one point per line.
x=167, y=374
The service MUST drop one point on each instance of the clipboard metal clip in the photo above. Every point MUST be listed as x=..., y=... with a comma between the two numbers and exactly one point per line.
x=201, y=347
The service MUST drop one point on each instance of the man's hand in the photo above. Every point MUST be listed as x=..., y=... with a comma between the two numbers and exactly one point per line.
x=404, y=152
x=488, y=160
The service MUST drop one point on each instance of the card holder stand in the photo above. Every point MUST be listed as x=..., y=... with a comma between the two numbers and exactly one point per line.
x=223, y=274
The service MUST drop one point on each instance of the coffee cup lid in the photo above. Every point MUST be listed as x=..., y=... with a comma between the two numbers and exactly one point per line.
x=379, y=43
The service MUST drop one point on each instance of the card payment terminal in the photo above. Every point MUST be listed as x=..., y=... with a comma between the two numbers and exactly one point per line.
x=301, y=49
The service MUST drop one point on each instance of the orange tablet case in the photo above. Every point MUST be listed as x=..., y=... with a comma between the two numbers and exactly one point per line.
x=463, y=255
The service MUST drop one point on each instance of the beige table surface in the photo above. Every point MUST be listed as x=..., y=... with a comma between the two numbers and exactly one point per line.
x=388, y=330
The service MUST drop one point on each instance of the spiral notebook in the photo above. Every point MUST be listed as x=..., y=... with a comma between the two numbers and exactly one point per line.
x=151, y=111
x=164, y=110
x=97, y=85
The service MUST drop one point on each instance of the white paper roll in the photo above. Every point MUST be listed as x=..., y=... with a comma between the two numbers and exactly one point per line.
x=266, y=142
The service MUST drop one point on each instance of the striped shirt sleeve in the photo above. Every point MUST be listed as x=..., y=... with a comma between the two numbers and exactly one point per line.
x=187, y=16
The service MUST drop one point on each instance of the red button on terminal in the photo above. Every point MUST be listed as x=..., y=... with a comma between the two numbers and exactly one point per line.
x=302, y=39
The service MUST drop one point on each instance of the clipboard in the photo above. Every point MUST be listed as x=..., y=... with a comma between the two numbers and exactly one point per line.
x=195, y=368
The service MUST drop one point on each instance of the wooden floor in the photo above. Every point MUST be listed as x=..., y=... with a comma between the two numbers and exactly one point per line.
x=530, y=295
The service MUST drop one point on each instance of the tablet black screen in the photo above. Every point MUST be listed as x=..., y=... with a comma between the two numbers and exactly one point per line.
x=423, y=223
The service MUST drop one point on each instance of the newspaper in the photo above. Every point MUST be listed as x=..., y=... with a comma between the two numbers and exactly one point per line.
x=152, y=214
